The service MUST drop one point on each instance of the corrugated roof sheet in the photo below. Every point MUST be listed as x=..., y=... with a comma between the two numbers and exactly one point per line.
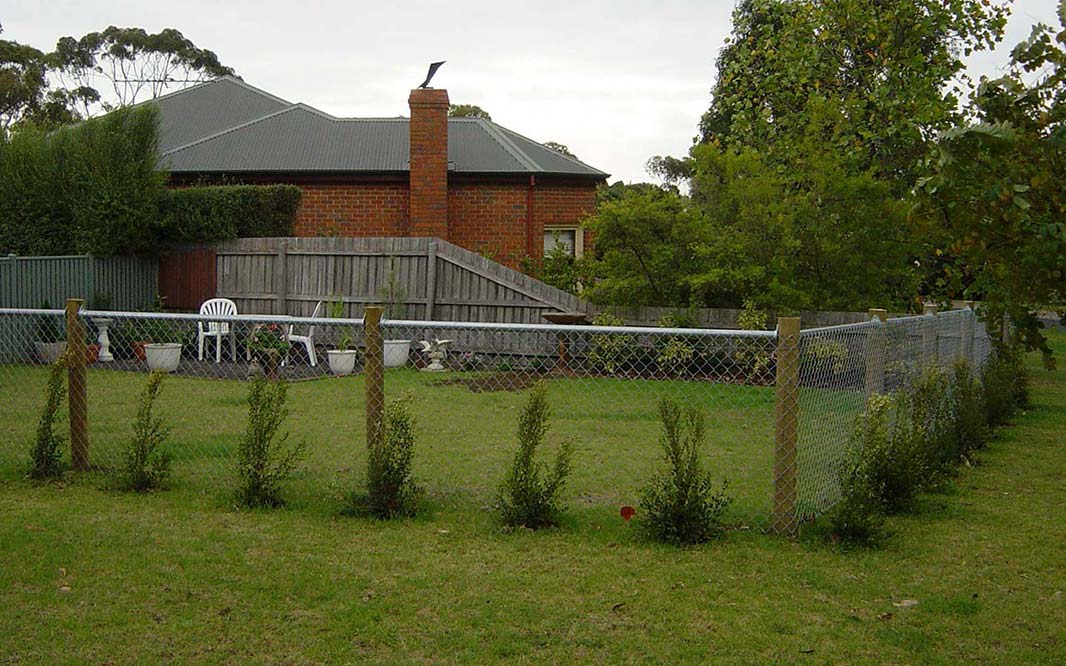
x=228, y=126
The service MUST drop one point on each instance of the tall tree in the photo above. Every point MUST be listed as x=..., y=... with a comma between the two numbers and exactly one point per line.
x=993, y=209
x=892, y=68
x=25, y=94
x=468, y=111
x=133, y=63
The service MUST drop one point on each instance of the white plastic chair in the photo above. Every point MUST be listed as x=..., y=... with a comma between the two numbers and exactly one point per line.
x=308, y=341
x=217, y=329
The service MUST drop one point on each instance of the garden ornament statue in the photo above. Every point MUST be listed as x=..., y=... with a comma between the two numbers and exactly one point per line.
x=436, y=350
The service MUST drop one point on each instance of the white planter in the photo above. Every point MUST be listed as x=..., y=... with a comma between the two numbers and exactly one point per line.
x=396, y=352
x=341, y=363
x=163, y=355
x=49, y=352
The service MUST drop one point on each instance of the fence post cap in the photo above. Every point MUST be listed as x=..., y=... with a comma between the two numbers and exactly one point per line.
x=929, y=308
x=880, y=314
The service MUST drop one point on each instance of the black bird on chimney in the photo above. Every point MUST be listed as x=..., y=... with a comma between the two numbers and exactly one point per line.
x=433, y=67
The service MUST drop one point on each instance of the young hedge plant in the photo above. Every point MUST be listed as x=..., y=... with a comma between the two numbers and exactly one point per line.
x=968, y=408
x=1005, y=385
x=529, y=493
x=46, y=460
x=391, y=492
x=682, y=504
x=263, y=458
x=147, y=463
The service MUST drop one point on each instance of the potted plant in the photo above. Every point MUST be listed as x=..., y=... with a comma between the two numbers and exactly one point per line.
x=394, y=295
x=163, y=350
x=269, y=345
x=50, y=339
x=342, y=359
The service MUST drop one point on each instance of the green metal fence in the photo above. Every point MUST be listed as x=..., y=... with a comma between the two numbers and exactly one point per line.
x=122, y=283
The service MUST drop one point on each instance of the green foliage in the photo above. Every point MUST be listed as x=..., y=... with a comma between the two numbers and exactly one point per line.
x=887, y=67
x=858, y=518
x=468, y=111
x=752, y=354
x=91, y=188
x=991, y=207
x=927, y=409
x=147, y=463
x=682, y=505
x=263, y=458
x=26, y=95
x=529, y=494
x=390, y=490
x=889, y=451
x=558, y=268
x=132, y=64
x=1004, y=384
x=214, y=213
x=46, y=453
x=608, y=351
x=970, y=423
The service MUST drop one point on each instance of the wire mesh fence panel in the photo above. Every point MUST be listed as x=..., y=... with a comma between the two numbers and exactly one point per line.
x=469, y=381
x=778, y=407
x=842, y=366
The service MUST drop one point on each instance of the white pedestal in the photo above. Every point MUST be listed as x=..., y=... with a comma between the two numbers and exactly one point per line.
x=103, y=340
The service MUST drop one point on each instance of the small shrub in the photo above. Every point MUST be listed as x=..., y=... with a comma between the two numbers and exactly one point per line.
x=927, y=407
x=889, y=450
x=970, y=424
x=45, y=455
x=676, y=355
x=1005, y=384
x=858, y=518
x=263, y=459
x=751, y=353
x=682, y=505
x=147, y=464
x=529, y=494
x=390, y=490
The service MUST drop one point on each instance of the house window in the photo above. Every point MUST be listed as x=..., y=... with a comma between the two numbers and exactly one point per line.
x=569, y=238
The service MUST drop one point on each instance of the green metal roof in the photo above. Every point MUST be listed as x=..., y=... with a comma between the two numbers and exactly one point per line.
x=228, y=126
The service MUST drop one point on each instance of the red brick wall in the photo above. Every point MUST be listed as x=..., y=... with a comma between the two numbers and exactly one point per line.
x=490, y=219
x=353, y=209
x=562, y=205
x=429, y=162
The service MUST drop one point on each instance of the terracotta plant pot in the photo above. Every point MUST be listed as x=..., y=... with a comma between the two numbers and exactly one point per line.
x=92, y=353
x=138, y=350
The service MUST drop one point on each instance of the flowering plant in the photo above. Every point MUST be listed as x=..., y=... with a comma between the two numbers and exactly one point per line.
x=269, y=337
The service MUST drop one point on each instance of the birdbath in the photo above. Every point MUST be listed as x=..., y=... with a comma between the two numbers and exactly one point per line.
x=436, y=350
x=104, y=340
x=564, y=319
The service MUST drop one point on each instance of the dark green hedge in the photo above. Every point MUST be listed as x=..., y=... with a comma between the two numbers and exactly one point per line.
x=214, y=213
x=93, y=187
x=96, y=188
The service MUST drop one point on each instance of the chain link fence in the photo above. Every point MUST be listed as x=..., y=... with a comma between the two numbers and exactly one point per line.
x=779, y=405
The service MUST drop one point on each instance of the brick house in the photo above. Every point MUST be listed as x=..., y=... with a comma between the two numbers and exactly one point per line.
x=465, y=180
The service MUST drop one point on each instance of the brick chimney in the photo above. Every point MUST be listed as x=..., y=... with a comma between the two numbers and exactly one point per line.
x=429, y=162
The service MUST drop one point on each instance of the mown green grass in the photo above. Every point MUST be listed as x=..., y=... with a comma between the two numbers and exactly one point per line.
x=466, y=439
x=88, y=576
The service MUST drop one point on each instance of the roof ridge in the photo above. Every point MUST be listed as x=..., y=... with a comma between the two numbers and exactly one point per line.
x=253, y=121
x=226, y=77
x=517, y=153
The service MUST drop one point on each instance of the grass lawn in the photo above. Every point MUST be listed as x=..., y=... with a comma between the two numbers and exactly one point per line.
x=89, y=576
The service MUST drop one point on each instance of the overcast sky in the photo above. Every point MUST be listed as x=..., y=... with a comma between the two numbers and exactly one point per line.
x=617, y=81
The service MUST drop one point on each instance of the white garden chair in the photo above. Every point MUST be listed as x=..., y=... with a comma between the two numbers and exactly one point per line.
x=308, y=341
x=217, y=329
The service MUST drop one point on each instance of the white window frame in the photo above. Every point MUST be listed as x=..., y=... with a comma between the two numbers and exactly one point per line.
x=579, y=236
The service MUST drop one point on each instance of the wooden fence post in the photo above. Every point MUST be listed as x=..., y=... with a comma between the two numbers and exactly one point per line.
x=875, y=353
x=374, y=363
x=786, y=426
x=930, y=341
x=77, y=399
x=966, y=332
